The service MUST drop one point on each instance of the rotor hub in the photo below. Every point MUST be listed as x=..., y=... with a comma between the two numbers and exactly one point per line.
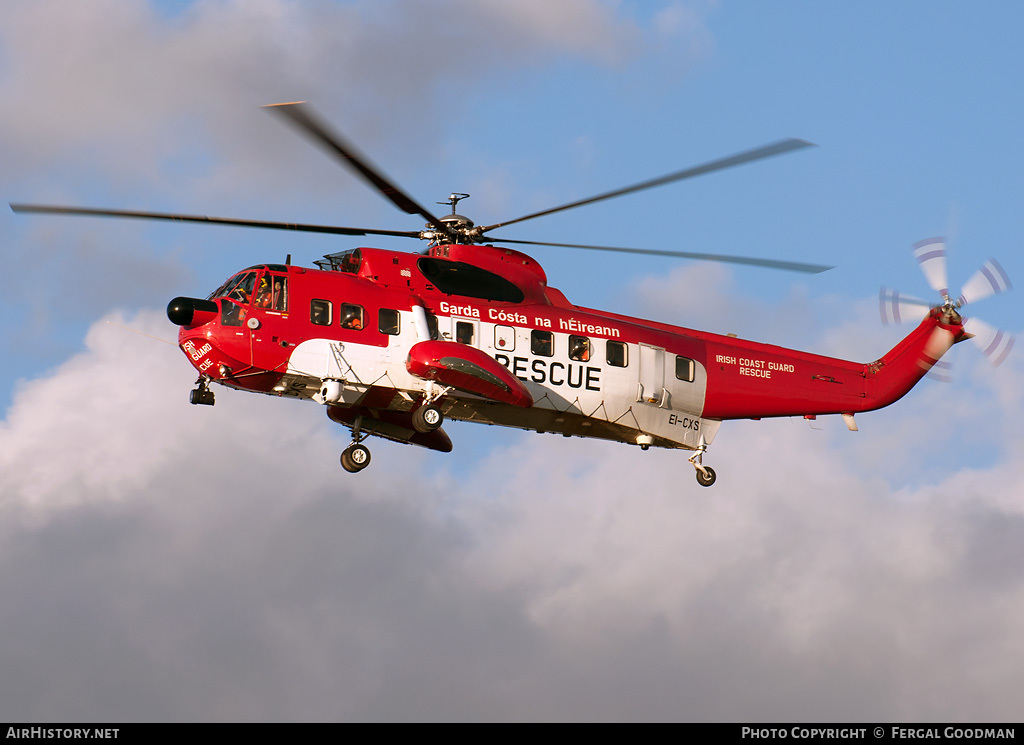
x=458, y=228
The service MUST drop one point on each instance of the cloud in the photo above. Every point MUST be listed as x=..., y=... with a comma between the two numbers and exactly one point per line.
x=162, y=561
x=119, y=90
x=154, y=106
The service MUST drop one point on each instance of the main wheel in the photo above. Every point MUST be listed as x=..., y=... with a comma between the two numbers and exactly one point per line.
x=355, y=458
x=706, y=480
x=427, y=419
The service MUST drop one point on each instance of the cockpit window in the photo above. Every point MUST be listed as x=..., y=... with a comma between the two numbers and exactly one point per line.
x=281, y=294
x=272, y=293
x=243, y=290
x=239, y=288
x=264, y=292
x=231, y=313
x=223, y=290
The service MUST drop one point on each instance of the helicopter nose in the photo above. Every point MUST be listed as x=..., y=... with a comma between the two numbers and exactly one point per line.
x=191, y=312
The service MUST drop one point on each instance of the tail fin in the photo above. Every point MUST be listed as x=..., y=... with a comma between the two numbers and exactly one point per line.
x=891, y=377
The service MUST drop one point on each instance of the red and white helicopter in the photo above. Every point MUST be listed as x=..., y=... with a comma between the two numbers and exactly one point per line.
x=393, y=343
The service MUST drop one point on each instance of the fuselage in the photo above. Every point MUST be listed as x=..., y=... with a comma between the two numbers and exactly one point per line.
x=341, y=335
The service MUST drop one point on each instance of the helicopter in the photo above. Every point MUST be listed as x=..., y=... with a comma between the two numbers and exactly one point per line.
x=393, y=343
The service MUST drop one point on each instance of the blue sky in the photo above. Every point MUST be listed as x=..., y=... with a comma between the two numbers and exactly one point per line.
x=539, y=578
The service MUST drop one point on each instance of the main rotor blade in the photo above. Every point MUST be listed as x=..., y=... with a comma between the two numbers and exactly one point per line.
x=302, y=116
x=777, y=148
x=790, y=266
x=301, y=227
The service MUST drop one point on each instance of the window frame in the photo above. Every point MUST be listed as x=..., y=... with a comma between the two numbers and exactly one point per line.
x=609, y=345
x=343, y=311
x=459, y=324
x=588, y=344
x=508, y=333
x=535, y=334
x=691, y=369
x=397, y=324
x=330, y=312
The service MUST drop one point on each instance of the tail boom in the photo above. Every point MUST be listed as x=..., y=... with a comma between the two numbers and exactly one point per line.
x=749, y=381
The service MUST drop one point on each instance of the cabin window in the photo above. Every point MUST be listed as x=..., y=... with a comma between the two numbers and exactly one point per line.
x=464, y=332
x=542, y=343
x=351, y=316
x=388, y=321
x=432, y=326
x=579, y=348
x=684, y=369
x=505, y=338
x=615, y=352
x=320, y=312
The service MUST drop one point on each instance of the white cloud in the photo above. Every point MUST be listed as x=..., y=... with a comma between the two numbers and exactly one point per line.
x=134, y=96
x=196, y=563
x=122, y=104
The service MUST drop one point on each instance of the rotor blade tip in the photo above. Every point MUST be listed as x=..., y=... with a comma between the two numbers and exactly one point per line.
x=284, y=103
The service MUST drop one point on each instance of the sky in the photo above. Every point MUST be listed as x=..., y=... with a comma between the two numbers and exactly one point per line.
x=163, y=562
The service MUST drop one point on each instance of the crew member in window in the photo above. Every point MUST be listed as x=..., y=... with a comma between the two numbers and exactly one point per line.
x=353, y=319
x=280, y=299
x=580, y=349
x=263, y=294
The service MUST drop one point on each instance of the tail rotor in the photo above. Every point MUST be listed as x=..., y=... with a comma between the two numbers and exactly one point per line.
x=991, y=279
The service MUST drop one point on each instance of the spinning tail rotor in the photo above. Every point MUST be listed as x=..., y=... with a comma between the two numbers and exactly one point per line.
x=989, y=280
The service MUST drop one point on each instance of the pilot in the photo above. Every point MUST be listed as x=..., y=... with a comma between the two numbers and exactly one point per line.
x=263, y=294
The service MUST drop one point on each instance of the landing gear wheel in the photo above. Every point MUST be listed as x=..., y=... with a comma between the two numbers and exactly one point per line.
x=706, y=480
x=355, y=458
x=427, y=418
